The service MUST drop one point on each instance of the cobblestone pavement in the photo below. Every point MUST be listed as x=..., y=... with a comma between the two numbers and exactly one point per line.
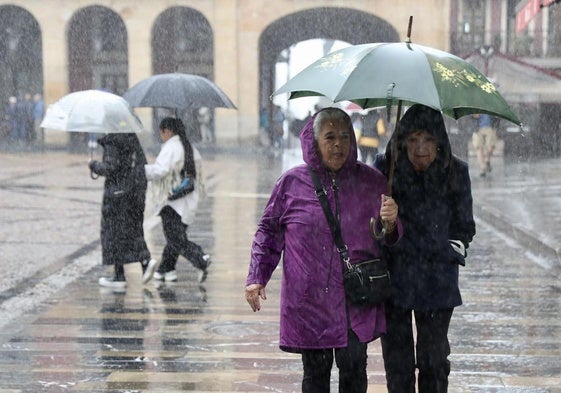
x=62, y=333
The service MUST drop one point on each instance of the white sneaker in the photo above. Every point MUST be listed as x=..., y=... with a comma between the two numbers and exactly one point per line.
x=158, y=276
x=170, y=276
x=202, y=272
x=112, y=283
x=149, y=271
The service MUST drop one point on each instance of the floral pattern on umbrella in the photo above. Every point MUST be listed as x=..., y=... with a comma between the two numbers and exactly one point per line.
x=381, y=74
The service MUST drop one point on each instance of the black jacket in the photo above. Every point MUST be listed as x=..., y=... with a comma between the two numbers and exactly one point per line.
x=122, y=211
x=434, y=206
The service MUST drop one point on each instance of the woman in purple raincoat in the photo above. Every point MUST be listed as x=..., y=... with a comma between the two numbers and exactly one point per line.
x=316, y=320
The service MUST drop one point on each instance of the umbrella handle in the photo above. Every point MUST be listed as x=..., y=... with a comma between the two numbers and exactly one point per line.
x=375, y=234
x=92, y=174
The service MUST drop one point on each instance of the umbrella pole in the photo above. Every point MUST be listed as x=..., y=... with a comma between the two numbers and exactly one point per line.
x=393, y=148
x=409, y=29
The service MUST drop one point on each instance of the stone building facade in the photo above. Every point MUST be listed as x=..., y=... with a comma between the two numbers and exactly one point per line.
x=79, y=44
x=59, y=46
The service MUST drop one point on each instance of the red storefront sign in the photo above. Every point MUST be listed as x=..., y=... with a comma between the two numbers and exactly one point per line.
x=527, y=13
x=529, y=10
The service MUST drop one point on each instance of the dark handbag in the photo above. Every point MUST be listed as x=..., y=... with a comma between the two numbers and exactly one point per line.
x=130, y=179
x=366, y=283
x=186, y=186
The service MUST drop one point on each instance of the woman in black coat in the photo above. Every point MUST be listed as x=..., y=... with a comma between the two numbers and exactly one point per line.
x=433, y=190
x=122, y=210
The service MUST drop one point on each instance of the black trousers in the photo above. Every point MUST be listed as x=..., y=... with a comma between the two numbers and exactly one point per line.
x=351, y=362
x=431, y=350
x=177, y=242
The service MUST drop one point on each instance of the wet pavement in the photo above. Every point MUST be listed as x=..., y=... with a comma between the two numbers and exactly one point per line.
x=61, y=333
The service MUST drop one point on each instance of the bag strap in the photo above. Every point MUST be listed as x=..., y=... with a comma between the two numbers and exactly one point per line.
x=321, y=193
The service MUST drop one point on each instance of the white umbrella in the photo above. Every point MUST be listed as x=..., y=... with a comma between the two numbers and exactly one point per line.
x=92, y=111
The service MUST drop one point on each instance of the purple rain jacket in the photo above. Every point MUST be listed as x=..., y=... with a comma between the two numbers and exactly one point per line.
x=313, y=305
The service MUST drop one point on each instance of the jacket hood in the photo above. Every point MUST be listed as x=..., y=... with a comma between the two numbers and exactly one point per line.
x=310, y=152
x=421, y=117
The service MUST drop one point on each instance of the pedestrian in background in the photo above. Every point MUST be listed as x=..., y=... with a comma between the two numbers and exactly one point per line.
x=29, y=122
x=432, y=189
x=122, y=210
x=204, y=117
x=264, y=131
x=11, y=118
x=277, y=127
x=176, y=156
x=20, y=122
x=316, y=319
x=484, y=140
x=38, y=113
x=372, y=128
x=358, y=124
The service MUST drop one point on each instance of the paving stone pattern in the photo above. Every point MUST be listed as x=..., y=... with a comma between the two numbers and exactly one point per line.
x=195, y=337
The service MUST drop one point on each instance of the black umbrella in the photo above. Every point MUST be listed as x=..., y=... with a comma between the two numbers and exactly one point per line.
x=177, y=91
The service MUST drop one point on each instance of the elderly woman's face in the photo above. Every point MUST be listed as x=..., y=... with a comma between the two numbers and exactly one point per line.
x=334, y=142
x=421, y=149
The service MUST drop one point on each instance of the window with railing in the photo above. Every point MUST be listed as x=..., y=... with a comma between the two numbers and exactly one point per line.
x=471, y=26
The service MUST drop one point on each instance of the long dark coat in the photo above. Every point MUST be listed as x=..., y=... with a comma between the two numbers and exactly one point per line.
x=122, y=210
x=434, y=206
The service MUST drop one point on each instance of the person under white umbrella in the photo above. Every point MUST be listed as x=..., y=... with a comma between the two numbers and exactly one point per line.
x=122, y=210
x=122, y=165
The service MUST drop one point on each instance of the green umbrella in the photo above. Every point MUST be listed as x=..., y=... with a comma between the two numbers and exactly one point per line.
x=380, y=74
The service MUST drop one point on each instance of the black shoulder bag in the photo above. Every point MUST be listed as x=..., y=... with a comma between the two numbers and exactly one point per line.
x=366, y=283
x=186, y=187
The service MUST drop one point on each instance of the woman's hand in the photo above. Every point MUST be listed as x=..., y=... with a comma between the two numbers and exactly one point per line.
x=388, y=211
x=252, y=294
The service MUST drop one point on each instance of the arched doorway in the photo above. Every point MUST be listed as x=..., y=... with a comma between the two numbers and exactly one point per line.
x=21, y=62
x=97, y=51
x=97, y=55
x=183, y=41
x=330, y=23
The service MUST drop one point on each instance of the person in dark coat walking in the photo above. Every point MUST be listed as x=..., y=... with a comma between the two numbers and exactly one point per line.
x=433, y=190
x=122, y=210
x=11, y=119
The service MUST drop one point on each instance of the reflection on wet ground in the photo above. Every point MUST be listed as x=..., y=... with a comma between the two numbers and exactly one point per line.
x=196, y=337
